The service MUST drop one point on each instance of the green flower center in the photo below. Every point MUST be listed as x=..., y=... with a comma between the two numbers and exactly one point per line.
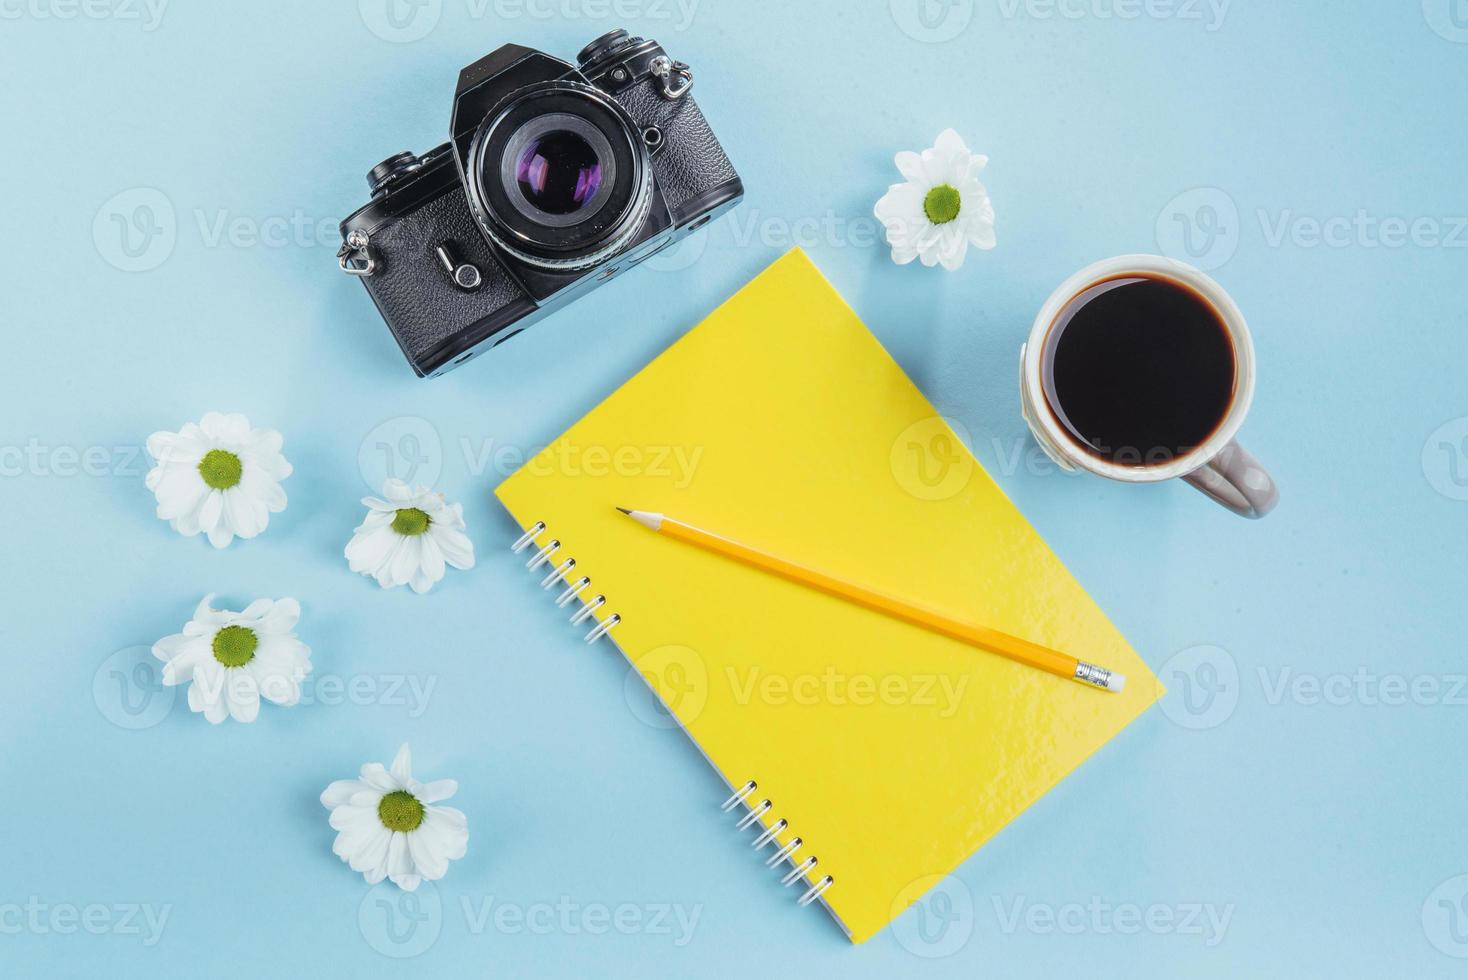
x=234, y=646
x=942, y=204
x=410, y=521
x=220, y=469
x=400, y=811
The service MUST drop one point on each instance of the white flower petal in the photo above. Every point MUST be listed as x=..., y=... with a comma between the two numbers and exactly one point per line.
x=431, y=561
x=196, y=698
x=375, y=775
x=406, y=560
x=179, y=491
x=187, y=523
x=398, y=492
x=233, y=428
x=952, y=256
x=264, y=442
x=371, y=858
x=910, y=165
x=281, y=617
x=402, y=766
x=369, y=798
x=359, y=806
x=370, y=548
x=171, y=646
x=189, y=657
x=429, y=861
x=340, y=791
x=212, y=512
x=452, y=829
x=455, y=546
x=239, y=514
x=244, y=696
x=399, y=862
x=384, y=571
x=439, y=789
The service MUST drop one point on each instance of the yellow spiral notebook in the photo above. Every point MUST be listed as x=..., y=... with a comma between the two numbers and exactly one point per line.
x=889, y=753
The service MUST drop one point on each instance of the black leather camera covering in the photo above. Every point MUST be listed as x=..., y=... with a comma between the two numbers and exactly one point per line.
x=413, y=291
x=690, y=162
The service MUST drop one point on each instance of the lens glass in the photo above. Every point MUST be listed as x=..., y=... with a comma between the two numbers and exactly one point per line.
x=558, y=172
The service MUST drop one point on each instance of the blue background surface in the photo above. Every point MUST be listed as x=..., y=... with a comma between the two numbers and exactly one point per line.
x=1302, y=782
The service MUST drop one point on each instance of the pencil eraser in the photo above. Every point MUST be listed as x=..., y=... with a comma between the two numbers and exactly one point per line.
x=1116, y=682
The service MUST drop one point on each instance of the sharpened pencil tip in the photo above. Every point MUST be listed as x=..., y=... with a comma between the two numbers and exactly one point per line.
x=624, y=510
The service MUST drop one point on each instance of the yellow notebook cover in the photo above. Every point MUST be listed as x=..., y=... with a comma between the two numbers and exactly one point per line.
x=893, y=753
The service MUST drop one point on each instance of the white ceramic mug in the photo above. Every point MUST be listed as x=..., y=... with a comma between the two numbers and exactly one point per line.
x=1220, y=467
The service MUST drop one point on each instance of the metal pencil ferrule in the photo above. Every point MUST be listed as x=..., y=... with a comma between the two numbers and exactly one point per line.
x=1091, y=674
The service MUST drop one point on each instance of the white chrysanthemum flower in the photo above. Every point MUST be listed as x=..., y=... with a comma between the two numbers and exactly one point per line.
x=230, y=660
x=389, y=827
x=218, y=476
x=942, y=208
x=409, y=537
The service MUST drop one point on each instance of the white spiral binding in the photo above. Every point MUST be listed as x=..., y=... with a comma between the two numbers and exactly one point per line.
x=785, y=851
x=745, y=796
x=544, y=555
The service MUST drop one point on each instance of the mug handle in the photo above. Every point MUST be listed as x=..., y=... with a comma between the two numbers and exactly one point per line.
x=1236, y=480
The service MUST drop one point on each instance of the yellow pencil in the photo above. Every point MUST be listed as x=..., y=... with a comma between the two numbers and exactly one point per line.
x=1033, y=654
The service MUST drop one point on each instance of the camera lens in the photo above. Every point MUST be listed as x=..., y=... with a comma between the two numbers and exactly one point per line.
x=559, y=173
x=559, y=176
x=557, y=170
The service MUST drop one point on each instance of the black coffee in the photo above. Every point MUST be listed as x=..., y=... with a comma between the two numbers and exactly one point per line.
x=1139, y=370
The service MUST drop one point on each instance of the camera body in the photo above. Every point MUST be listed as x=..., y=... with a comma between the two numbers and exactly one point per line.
x=556, y=178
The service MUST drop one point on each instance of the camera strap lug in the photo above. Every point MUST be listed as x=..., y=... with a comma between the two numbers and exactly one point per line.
x=676, y=77
x=357, y=257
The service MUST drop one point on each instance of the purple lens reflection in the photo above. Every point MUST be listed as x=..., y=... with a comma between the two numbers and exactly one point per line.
x=558, y=172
